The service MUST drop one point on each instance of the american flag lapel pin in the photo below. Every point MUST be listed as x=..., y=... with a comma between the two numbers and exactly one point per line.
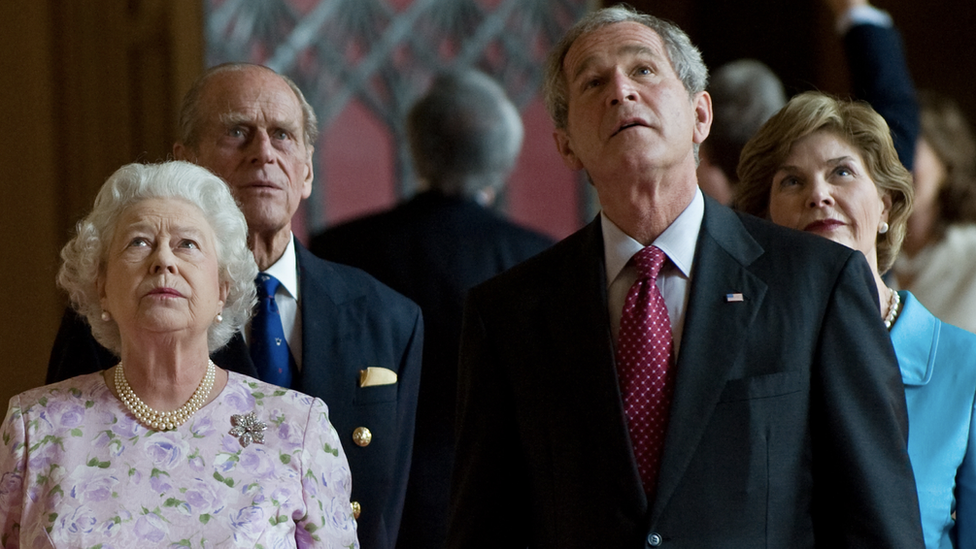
x=733, y=297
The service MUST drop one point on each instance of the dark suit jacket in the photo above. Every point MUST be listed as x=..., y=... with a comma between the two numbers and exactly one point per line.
x=349, y=322
x=432, y=249
x=880, y=76
x=787, y=429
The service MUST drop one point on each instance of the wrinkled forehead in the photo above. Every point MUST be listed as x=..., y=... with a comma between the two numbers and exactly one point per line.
x=174, y=214
x=612, y=41
x=173, y=211
x=251, y=94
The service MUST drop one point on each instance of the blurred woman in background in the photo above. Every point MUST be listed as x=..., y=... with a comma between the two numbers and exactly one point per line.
x=938, y=260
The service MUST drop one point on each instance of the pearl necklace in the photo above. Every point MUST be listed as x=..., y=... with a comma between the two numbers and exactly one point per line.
x=892, y=309
x=164, y=421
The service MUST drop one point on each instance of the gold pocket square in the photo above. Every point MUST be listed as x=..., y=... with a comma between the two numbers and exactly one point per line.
x=376, y=376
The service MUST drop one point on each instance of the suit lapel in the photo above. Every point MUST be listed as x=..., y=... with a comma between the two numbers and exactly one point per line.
x=326, y=320
x=715, y=330
x=579, y=326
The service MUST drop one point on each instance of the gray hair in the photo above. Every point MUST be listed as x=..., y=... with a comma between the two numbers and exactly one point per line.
x=191, y=117
x=745, y=94
x=685, y=58
x=84, y=255
x=465, y=134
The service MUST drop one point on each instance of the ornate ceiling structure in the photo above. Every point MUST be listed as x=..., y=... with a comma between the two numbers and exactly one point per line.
x=383, y=53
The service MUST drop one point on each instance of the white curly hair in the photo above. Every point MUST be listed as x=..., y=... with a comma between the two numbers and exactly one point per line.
x=84, y=255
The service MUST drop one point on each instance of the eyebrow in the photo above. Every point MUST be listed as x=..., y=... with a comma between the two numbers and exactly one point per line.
x=177, y=230
x=233, y=118
x=626, y=49
x=188, y=231
x=830, y=161
x=230, y=119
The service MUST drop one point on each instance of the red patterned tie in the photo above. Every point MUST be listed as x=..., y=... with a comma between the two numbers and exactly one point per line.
x=644, y=357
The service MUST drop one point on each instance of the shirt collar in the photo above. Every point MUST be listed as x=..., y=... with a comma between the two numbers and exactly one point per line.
x=678, y=241
x=286, y=269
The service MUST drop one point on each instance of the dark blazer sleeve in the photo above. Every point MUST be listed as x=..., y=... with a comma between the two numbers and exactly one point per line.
x=863, y=490
x=880, y=76
x=410, y=370
x=489, y=461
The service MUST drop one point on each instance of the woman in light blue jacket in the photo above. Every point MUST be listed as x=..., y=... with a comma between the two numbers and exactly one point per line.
x=936, y=361
x=828, y=167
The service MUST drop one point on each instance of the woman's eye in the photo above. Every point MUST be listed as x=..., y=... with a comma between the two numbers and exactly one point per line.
x=644, y=71
x=189, y=244
x=138, y=242
x=280, y=134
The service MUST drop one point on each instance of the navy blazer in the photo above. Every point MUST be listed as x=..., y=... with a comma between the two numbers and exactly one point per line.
x=350, y=321
x=787, y=427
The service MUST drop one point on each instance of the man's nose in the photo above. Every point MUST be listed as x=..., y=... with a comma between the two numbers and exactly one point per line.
x=261, y=149
x=622, y=88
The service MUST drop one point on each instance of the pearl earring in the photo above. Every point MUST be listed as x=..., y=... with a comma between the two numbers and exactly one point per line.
x=883, y=228
x=220, y=318
x=105, y=316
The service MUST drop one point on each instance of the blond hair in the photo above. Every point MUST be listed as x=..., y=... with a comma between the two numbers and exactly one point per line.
x=854, y=121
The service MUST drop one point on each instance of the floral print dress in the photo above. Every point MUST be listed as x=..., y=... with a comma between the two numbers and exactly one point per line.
x=79, y=471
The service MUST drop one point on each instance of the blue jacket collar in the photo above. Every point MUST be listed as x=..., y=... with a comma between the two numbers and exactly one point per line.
x=915, y=337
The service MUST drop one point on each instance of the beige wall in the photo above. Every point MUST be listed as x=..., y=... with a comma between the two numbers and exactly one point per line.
x=29, y=205
x=87, y=85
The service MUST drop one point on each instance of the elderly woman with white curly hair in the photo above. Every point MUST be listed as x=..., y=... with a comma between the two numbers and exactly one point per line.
x=165, y=448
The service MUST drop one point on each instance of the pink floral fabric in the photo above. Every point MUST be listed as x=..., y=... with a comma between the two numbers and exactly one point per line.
x=77, y=470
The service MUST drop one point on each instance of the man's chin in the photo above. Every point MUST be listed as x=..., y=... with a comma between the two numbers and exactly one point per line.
x=266, y=217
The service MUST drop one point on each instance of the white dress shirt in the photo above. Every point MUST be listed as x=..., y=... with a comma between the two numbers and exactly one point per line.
x=862, y=15
x=288, y=299
x=678, y=242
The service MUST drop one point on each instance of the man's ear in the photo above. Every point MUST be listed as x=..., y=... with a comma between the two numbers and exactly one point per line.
x=182, y=152
x=703, y=116
x=309, y=174
x=565, y=147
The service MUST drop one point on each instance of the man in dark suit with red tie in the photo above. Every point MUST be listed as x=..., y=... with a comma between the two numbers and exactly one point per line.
x=675, y=374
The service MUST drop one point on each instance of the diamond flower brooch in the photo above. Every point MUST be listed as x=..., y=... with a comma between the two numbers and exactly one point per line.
x=247, y=428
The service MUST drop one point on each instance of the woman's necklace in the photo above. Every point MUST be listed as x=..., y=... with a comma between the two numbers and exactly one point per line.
x=164, y=421
x=893, y=303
